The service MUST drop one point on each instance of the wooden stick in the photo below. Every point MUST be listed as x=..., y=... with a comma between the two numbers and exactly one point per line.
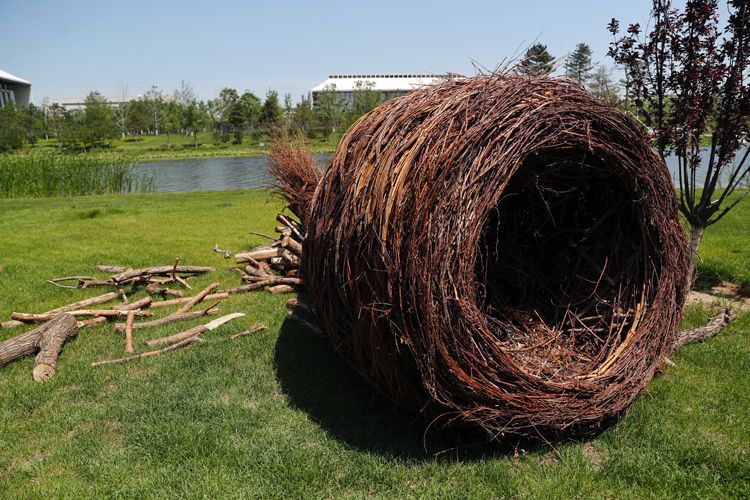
x=143, y=303
x=248, y=288
x=99, y=299
x=253, y=329
x=701, y=333
x=174, y=268
x=184, y=300
x=193, y=332
x=183, y=282
x=154, y=289
x=169, y=319
x=129, y=332
x=92, y=322
x=284, y=220
x=262, y=254
x=277, y=289
x=163, y=270
x=197, y=298
x=114, y=269
x=144, y=354
x=83, y=312
x=275, y=280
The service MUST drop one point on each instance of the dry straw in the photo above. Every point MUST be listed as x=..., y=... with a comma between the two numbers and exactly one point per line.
x=498, y=251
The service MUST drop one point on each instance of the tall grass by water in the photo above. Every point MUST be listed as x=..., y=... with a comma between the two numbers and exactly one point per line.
x=48, y=175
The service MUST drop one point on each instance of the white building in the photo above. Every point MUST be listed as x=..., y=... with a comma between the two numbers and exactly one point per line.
x=387, y=85
x=14, y=89
x=70, y=103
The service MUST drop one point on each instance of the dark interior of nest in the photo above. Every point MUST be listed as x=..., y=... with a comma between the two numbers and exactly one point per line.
x=561, y=265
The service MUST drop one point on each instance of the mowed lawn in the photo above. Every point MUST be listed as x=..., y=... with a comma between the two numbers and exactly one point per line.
x=277, y=414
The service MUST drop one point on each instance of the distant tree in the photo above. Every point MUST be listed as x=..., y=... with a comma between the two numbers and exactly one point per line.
x=55, y=117
x=139, y=116
x=98, y=120
x=121, y=112
x=190, y=121
x=288, y=110
x=578, y=64
x=184, y=94
x=304, y=117
x=155, y=100
x=171, y=119
x=251, y=109
x=602, y=86
x=270, y=115
x=537, y=61
x=330, y=110
x=236, y=121
x=689, y=78
x=11, y=130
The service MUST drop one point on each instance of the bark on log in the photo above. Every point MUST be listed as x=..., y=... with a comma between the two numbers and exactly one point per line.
x=293, y=245
x=277, y=289
x=193, y=332
x=47, y=339
x=50, y=343
x=701, y=333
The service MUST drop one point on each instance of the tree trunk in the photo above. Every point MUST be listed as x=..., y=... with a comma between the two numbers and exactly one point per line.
x=696, y=235
x=48, y=339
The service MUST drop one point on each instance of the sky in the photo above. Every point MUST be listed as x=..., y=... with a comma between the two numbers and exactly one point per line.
x=68, y=48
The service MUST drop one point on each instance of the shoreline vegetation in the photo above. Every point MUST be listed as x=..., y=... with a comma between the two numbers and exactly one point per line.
x=44, y=175
x=176, y=147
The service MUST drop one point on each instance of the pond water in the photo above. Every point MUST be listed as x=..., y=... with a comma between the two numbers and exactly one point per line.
x=213, y=174
x=250, y=172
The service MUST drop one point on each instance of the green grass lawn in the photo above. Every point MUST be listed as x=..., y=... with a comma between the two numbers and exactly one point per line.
x=277, y=414
x=154, y=147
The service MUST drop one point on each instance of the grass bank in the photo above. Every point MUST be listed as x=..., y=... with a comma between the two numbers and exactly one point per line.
x=279, y=415
x=176, y=146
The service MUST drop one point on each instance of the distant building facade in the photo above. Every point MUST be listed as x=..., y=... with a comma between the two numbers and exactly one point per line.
x=14, y=90
x=71, y=103
x=387, y=86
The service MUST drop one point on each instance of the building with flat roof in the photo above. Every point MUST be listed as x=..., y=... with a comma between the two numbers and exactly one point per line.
x=71, y=103
x=14, y=89
x=387, y=85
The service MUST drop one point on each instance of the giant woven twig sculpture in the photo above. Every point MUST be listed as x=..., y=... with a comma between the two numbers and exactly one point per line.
x=498, y=251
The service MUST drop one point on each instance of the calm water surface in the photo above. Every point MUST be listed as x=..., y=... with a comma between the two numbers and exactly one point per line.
x=214, y=174
x=250, y=172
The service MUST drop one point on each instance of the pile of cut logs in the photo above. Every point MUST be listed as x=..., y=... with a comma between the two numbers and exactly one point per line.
x=274, y=266
x=63, y=323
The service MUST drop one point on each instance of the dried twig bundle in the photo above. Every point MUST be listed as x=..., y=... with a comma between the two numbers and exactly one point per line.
x=499, y=251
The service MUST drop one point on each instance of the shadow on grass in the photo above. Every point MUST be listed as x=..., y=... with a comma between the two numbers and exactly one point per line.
x=318, y=382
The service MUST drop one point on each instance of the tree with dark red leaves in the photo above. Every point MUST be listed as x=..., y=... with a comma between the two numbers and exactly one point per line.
x=688, y=78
